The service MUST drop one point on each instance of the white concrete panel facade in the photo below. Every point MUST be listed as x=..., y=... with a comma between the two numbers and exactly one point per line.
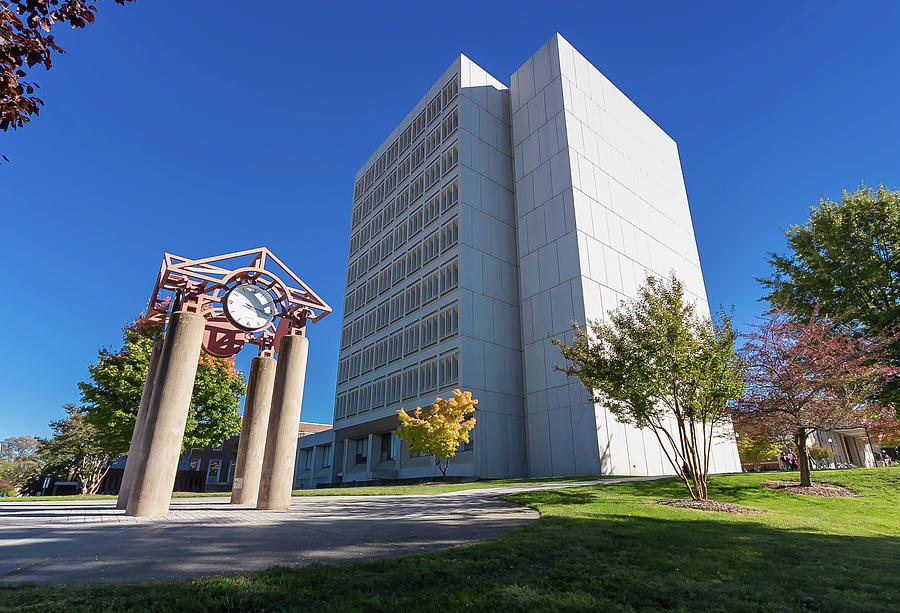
x=488, y=221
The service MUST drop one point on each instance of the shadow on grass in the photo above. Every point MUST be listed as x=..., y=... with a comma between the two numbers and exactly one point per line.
x=615, y=562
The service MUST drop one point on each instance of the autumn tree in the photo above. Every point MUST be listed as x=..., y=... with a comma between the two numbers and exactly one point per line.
x=74, y=451
x=113, y=393
x=657, y=364
x=26, y=42
x=807, y=376
x=18, y=462
x=439, y=429
x=846, y=260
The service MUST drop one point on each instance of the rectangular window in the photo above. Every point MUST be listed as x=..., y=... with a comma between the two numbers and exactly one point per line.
x=418, y=126
x=400, y=235
x=411, y=382
x=432, y=174
x=431, y=209
x=357, y=330
x=397, y=310
x=449, y=195
x=374, y=255
x=413, y=297
x=430, y=326
x=353, y=402
x=449, y=234
x=362, y=450
x=449, y=370
x=381, y=352
x=449, y=158
x=387, y=245
x=431, y=246
x=449, y=276
x=326, y=456
x=212, y=471
x=433, y=110
x=413, y=259
x=450, y=123
x=384, y=314
x=378, y=394
x=411, y=338
x=365, y=398
x=354, y=365
x=431, y=286
x=307, y=462
x=399, y=269
x=346, y=336
x=372, y=288
x=392, y=391
x=384, y=280
x=417, y=156
x=414, y=223
x=366, y=359
x=433, y=141
x=428, y=377
x=388, y=447
x=450, y=90
x=369, y=323
x=449, y=321
x=395, y=346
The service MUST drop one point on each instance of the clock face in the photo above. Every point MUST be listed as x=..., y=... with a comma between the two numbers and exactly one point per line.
x=249, y=307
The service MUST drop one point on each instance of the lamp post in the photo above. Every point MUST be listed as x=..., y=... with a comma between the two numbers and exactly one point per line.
x=833, y=453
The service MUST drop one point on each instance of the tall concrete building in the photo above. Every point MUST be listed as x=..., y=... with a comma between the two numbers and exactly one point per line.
x=489, y=220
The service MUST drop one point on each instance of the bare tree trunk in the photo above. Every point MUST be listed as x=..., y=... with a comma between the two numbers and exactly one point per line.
x=802, y=456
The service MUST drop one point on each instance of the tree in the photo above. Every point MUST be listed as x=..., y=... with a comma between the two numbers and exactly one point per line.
x=656, y=364
x=756, y=450
x=18, y=462
x=74, y=450
x=803, y=377
x=819, y=454
x=846, y=260
x=112, y=395
x=440, y=429
x=25, y=42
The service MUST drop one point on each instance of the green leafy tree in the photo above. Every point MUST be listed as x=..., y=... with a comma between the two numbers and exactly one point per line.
x=657, y=364
x=819, y=454
x=112, y=395
x=846, y=260
x=439, y=430
x=74, y=451
x=18, y=462
x=756, y=450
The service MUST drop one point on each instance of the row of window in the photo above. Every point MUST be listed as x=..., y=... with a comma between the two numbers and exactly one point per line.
x=410, y=134
x=446, y=198
x=412, y=382
x=403, y=264
x=323, y=457
x=437, y=326
x=389, y=445
x=419, y=154
x=405, y=303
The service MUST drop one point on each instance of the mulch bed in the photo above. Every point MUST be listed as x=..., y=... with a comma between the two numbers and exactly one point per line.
x=709, y=505
x=816, y=489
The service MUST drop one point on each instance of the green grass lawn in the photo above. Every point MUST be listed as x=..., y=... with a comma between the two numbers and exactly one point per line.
x=606, y=548
x=375, y=490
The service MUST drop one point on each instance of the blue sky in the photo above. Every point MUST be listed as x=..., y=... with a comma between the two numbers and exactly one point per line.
x=202, y=127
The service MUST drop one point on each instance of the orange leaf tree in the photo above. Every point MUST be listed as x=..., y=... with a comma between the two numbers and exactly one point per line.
x=439, y=429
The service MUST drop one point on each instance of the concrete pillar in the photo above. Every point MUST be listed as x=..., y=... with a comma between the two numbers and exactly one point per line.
x=252, y=443
x=347, y=465
x=370, y=455
x=137, y=450
x=284, y=419
x=169, y=405
x=312, y=465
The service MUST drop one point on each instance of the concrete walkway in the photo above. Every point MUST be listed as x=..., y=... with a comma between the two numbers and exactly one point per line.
x=71, y=542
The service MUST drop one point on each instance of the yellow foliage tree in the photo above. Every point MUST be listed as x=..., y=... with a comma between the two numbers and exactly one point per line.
x=439, y=429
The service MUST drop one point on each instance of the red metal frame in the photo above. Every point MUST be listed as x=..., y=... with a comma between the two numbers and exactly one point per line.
x=199, y=286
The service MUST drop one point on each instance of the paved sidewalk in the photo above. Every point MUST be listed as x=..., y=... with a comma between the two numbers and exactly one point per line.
x=70, y=542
